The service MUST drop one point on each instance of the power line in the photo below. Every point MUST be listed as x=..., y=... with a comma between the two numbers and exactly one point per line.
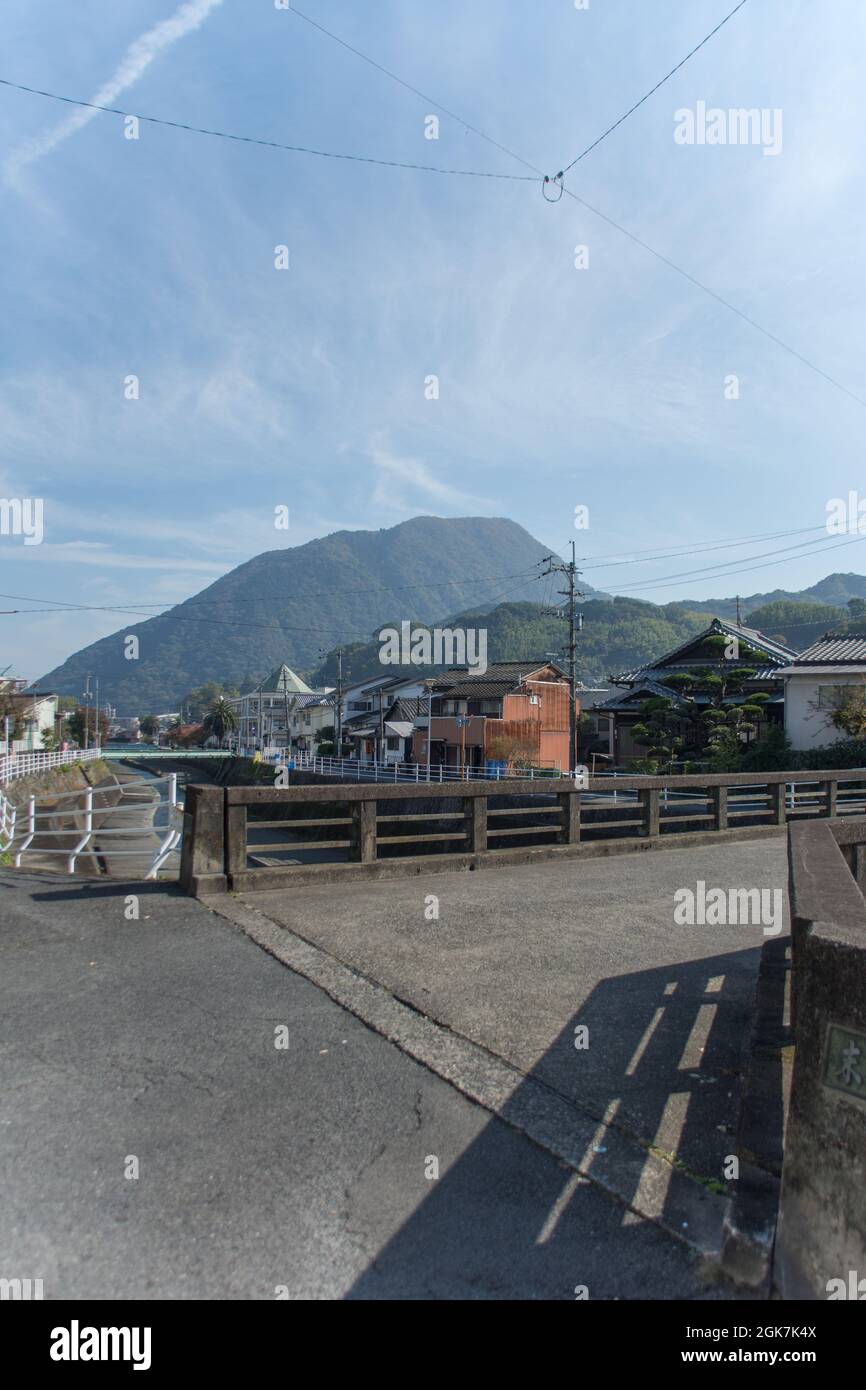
x=394, y=78
x=652, y=91
x=69, y=608
x=269, y=144
x=753, y=323
x=710, y=569
x=729, y=574
x=469, y=173
x=304, y=594
x=703, y=549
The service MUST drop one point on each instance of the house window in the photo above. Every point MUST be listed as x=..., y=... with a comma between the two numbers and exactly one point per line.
x=831, y=696
x=393, y=743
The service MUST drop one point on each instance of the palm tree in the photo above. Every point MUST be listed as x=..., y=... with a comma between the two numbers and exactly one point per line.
x=220, y=720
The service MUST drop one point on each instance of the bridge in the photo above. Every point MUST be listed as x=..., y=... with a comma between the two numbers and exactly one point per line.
x=585, y=1064
x=136, y=752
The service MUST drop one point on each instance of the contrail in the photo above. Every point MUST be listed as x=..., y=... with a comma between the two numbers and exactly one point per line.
x=140, y=54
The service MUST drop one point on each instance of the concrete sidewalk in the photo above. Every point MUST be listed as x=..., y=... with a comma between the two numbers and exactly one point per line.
x=259, y=1169
x=518, y=959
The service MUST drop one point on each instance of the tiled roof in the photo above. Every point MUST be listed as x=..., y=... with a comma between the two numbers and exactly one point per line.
x=315, y=697
x=500, y=678
x=479, y=689
x=774, y=654
x=410, y=708
x=645, y=675
x=836, y=649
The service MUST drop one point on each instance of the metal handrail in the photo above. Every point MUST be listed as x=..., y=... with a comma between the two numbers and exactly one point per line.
x=168, y=844
x=16, y=765
x=375, y=771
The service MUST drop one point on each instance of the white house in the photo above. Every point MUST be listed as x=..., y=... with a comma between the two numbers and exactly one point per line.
x=379, y=715
x=268, y=716
x=816, y=681
x=33, y=711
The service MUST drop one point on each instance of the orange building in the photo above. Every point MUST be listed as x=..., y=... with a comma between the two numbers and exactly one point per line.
x=516, y=712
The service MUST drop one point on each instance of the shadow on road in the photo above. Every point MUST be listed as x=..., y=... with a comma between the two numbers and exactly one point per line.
x=663, y=1064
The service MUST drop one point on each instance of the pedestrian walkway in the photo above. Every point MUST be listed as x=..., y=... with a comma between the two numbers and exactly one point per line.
x=160, y=1141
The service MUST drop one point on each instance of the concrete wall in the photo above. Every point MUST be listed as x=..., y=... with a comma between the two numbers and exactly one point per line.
x=822, y=1216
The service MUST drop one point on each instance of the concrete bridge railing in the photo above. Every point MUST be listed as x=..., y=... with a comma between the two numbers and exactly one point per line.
x=379, y=829
x=821, y=1236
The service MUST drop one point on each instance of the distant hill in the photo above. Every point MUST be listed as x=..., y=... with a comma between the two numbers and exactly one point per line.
x=618, y=634
x=292, y=604
x=296, y=604
x=798, y=624
x=835, y=590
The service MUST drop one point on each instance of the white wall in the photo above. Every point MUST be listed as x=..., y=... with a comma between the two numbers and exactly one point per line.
x=806, y=726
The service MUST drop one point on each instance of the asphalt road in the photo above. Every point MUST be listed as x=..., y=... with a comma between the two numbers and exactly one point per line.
x=149, y=1045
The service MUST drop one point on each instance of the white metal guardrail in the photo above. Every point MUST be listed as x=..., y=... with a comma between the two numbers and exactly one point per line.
x=353, y=770
x=13, y=766
x=43, y=816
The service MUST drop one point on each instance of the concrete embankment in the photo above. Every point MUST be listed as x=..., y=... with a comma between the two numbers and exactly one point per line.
x=63, y=820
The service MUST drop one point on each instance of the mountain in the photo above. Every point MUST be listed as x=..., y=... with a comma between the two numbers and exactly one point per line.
x=618, y=634
x=291, y=605
x=296, y=604
x=835, y=590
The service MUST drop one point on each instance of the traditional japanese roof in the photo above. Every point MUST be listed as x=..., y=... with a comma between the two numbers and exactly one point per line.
x=774, y=656
x=315, y=697
x=835, y=649
x=500, y=678
x=408, y=708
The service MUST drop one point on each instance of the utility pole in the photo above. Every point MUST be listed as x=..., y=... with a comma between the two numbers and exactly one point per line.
x=429, y=684
x=338, y=703
x=575, y=622
x=96, y=724
x=87, y=712
x=338, y=721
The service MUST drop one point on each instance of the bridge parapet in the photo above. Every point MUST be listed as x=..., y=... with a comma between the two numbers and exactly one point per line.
x=822, y=1215
x=375, y=829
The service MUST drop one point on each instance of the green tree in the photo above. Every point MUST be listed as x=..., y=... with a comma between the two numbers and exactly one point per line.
x=220, y=720
x=770, y=753
x=848, y=711
x=196, y=702
x=82, y=726
x=149, y=725
x=857, y=611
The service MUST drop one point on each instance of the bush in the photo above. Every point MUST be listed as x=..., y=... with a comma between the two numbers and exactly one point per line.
x=846, y=752
x=772, y=753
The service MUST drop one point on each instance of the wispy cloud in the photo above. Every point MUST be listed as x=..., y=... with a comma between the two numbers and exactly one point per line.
x=396, y=472
x=137, y=58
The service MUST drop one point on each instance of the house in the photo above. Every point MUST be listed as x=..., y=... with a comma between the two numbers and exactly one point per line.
x=379, y=714
x=31, y=715
x=516, y=710
x=746, y=648
x=817, y=683
x=309, y=716
x=264, y=714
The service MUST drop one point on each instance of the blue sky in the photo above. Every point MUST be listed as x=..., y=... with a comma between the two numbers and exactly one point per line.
x=558, y=387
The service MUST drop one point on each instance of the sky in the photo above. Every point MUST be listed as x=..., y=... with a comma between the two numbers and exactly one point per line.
x=308, y=388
